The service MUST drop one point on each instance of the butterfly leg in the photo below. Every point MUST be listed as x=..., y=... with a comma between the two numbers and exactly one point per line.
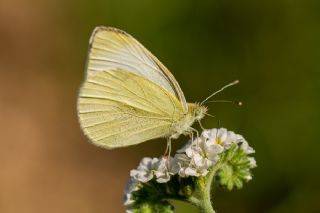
x=201, y=125
x=168, y=149
x=194, y=130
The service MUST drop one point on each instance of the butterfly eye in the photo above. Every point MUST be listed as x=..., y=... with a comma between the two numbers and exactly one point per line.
x=200, y=112
x=197, y=113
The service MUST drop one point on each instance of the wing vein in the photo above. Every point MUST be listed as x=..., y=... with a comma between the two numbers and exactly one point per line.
x=145, y=99
x=128, y=129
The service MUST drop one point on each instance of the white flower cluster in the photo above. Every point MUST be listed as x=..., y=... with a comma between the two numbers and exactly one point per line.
x=194, y=159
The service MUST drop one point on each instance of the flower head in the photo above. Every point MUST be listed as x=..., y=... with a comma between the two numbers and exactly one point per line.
x=199, y=154
x=222, y=153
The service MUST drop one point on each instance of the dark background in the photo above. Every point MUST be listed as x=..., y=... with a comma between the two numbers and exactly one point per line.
x=272, y=46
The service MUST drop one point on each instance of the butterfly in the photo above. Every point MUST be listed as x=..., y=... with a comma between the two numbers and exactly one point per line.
x=129, y=97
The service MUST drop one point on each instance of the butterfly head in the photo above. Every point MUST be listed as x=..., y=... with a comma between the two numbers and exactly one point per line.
x=198, y=111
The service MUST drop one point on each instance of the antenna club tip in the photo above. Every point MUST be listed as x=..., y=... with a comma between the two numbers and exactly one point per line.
x=239, y=103
x=236, y=82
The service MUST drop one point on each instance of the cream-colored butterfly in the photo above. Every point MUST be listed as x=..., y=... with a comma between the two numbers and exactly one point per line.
x=129, y=96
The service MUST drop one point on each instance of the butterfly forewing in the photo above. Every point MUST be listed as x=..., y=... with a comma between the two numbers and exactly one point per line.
x=111, y=48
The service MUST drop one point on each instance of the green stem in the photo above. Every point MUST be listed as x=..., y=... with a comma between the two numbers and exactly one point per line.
x=203, y=188
x=204, y=192
x=194, y=201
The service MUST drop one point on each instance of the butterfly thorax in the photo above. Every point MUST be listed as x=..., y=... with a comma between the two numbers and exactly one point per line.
x=195, y=113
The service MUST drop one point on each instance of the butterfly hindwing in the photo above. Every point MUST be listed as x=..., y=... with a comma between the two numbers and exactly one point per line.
x=117, y=108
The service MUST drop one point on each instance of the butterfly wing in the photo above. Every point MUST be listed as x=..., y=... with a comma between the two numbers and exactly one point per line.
x=118, y=108
x=111, y=48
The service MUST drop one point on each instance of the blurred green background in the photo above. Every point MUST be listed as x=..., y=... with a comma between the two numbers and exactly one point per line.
x=272, y=46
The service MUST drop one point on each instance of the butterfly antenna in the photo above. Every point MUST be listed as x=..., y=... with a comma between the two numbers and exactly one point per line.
x=220, y=90
x=238, y=103
x=212, y=116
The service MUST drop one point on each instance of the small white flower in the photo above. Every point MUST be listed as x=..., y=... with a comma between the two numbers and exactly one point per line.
x=248, y=177
x=145, y=170
x=190, y=172
x=221, y=137
x=132, y=185
x=192, y=164
x=211, y=147
x=246, y=148
x=225, y=138
x=166, y=167
x=198, y=165
x=212, y=150
x=253, y=162
x=186, y=146
x=183, y=162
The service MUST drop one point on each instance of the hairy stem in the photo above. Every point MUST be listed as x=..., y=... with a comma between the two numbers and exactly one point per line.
x=203, y=186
